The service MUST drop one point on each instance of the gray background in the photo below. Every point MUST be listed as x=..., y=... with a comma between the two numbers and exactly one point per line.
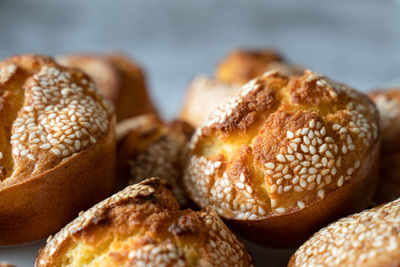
x=354, y=41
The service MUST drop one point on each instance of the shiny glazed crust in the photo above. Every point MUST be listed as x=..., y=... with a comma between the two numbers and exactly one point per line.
x=369, y=238
x=149, y=148
x=242, y=65
x=143, y=226
x=119, y=78
x=55, y=128
x=289, y=154
x=388, y=104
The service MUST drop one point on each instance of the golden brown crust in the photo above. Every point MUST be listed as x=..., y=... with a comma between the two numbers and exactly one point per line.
x=151, y=148
x=369, y=238
x=143, y=225
x=6, y=264
x=104, y=74
x=388, y=104
x=54, y=126
x=133, y=99
x=120, y=79
x=281, y=146
x=242, y=65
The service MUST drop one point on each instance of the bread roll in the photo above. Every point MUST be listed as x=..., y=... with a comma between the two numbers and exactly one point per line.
x=287, y=155
x=369, y=238
x=57, y=147
x=388, y=104
x=202, y=97
x=120, y=79
x=240, y=66
x=149, y=148
x=143, y=226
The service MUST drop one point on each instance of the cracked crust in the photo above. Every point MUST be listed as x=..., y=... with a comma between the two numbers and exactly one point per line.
x=50, y=115
x=120, y=79
x=284, y=148
x=240, y=66
x=388, y=104
x=369, y=238
x=142, y=225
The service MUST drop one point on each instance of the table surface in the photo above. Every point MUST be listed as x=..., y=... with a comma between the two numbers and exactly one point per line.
x=354, y=41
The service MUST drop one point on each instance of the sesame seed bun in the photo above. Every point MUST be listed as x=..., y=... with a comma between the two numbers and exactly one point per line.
x=286, y=156
x=204, y=94
x=120, y=79
x=150, y=148
x=143, y=226
x=369, y=238
x=388, y=104
x=57, y=144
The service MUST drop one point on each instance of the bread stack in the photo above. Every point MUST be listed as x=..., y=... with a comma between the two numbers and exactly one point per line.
x=280, y=154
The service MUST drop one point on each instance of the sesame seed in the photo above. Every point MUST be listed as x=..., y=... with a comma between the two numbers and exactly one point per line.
x=45, y=146
x=357, y=164
x=281, y=158
x=56, y=151
x=290, y=157
x=240, y=185
x=312, y=123
x=289, y=134
x=280, y=210
x=270, y=165
x=340, y=181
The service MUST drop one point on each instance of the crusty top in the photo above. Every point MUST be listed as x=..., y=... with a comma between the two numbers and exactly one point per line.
x=388, y=104
x=281, y=144
x=142, y=225
x=150, y=148
x=369, y=238
x=101, y=70
x=48, y=113
x=242, y=65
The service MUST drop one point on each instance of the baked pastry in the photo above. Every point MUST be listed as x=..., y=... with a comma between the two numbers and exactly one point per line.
x=242, y=65
x=369, y=238
x=120, y=79
x=202, y=97
x=287, y=155
x=150, y=148
x=388, y=104
x=6, y=264
x=143, y=226
x=57, y=147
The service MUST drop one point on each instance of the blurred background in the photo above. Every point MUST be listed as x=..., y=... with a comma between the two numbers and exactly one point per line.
x=353, y=41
